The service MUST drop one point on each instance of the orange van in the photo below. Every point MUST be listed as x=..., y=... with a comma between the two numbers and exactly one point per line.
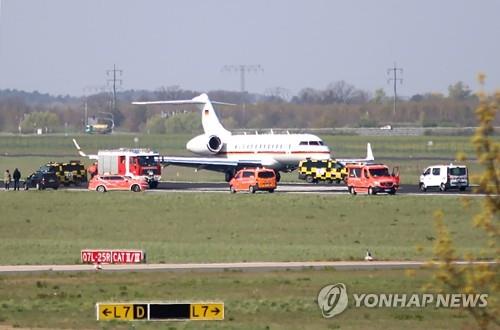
x=372, y=179
x=253, y=179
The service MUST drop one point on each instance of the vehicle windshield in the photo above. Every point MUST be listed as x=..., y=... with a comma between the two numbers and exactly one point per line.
x=45, y=168
x=147, y=161
x=457, y=171
x=266, y=174
x=379, y=172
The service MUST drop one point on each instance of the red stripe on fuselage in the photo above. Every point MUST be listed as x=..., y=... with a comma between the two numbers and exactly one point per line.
x=272, y=152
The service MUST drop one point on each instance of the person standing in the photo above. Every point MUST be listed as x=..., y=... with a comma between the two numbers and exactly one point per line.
x=16, y=176
x=6, y=179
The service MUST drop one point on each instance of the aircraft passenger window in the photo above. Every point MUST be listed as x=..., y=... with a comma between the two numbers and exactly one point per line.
x=303, y=143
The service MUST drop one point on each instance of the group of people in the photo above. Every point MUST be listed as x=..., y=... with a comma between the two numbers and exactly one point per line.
x=7, y=179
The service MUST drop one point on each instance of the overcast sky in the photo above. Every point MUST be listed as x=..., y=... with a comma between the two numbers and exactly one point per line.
x=62, y=46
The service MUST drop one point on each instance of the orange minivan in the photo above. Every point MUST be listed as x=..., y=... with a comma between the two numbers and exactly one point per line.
x=253, y=179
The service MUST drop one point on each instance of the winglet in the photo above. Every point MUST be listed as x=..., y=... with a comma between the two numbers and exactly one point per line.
x=81, y=153
x=369, y=152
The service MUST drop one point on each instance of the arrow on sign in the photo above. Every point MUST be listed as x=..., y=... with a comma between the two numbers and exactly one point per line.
x=216, y=310
x=106, y=312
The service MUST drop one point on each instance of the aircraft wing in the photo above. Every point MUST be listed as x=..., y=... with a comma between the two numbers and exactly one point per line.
x=214, y=164
x=179, y=102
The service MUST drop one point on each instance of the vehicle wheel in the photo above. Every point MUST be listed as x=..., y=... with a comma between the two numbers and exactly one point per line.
x=392, y=192
x=337, y=181
x=463, y=188
x=442, y=187
x=77, y=183
x=101, y=189
x=423, y=187
x=370, y=191
x=232, y=190
x=309, y=179
x=136, y=188
x=278, y=176
x=66, y=184
x=252, y=189
x=228, y=176
x=153, y=184
x=55, y=188
x=271, y=191
x=352, y=191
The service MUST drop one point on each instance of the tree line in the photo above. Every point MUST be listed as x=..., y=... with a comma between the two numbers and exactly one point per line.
x=340, y=104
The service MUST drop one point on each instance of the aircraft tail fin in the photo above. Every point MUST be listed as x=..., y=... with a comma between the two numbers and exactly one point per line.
x=209, y=119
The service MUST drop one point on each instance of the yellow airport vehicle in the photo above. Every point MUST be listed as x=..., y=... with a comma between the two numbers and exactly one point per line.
x=314, y=171
x=72, y=172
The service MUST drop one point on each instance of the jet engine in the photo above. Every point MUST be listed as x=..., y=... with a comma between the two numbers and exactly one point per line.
x=205, y=145
x=214, y=144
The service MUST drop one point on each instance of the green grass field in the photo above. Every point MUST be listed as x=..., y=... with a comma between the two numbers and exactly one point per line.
x=53, y=226
x=276, y=300
x=38, y=150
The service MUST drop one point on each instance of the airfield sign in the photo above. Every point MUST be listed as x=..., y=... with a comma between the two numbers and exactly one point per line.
x=112, y=256
x=160, y=311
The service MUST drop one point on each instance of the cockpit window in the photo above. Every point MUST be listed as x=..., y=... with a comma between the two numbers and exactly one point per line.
x=313, y=143
x=321, y=143
x=303, y=143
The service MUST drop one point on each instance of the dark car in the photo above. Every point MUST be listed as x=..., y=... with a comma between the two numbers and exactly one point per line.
x=40, y=180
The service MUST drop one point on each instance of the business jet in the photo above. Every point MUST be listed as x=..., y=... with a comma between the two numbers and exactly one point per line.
x=220, y=150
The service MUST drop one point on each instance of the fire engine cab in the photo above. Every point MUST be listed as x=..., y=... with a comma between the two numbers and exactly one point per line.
x=135, y=163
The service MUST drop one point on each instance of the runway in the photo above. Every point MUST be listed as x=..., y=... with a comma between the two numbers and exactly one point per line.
x=284, y=187
x=304, y=188
x=235, y=266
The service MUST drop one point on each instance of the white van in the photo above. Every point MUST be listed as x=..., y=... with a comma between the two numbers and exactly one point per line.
x=445, y=177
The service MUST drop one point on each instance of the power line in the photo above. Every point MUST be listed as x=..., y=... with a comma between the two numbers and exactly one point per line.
x=114, y=80
x=395, y=79
x=242, y=69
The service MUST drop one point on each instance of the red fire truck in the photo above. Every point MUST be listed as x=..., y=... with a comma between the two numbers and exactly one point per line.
x=130, y=162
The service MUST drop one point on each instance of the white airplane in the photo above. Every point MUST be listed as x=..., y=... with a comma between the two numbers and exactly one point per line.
x=226, y=152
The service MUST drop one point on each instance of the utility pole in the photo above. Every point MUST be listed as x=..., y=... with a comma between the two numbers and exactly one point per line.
x=114, y=80
x=88, y=90
x=243, y=69
x=394, y=72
